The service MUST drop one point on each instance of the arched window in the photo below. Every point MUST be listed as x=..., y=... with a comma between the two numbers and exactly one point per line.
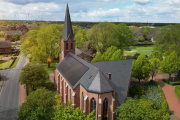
x=82, y=102
x=105, y=109
x=92, y=105
x=70, y=94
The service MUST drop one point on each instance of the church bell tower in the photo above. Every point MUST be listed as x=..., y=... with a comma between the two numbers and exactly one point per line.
x=67, y=41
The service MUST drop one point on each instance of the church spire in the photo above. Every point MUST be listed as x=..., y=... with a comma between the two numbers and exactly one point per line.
x=67, y=31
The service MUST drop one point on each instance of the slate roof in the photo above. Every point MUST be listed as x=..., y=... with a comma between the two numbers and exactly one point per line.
x=5, y=44
x=93, y=76
x=67, y=31
x=12, y=32
x=120, y=75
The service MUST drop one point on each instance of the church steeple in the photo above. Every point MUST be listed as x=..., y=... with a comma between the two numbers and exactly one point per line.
x=67, y=31
x=67, y=41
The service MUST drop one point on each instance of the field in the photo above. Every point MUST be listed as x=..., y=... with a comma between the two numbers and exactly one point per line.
x=5, y=63
x=142, y=50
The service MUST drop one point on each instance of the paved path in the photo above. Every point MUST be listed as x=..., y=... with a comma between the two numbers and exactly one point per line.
x=171, y=97
x=10, y=93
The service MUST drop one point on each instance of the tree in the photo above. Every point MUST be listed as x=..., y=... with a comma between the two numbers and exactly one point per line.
x=137, y=31
x=136, y=56
x=42, y=43
x=98, y=57
x=118, y=55
x=124, y=36
x=101, y=36
x=80, y=38
x=155, y=63
x=34, y=75
x=105, y=34
x=68, y=112
x=171, y=64
x=141, y=68
x=172, y=48
x=109, y=52
x=169, y=35
x=156, y=54
x=141, y=38
x=39, y=105
x=140, y=109
x=16, y=37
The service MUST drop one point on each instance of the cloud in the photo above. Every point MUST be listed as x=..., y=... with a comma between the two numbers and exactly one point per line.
x=142, y=2
x=94, y=10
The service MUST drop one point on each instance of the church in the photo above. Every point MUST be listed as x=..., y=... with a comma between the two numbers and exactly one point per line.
x=99, y=86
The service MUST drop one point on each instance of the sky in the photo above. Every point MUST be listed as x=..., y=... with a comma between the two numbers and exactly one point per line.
x=151, y=11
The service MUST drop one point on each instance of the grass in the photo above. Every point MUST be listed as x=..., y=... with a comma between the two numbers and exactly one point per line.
x=51, y=69
x=5, y=63
x=177, y=89
x=142, y=50
x=15, y=63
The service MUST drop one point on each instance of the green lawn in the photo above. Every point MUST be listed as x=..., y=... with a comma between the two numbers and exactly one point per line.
x=177, y=89
x=142, y=50
x=5, y=63
x=15, y=63
x=51, y=69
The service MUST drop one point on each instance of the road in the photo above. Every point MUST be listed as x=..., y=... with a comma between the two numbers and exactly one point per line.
x=10, y=93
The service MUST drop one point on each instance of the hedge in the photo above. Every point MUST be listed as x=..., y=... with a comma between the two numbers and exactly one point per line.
x=171, y=83
x=177, y=89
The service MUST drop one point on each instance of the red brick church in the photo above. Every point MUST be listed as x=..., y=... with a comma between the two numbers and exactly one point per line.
x=100, y=86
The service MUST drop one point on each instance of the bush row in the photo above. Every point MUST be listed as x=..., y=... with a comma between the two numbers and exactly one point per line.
x=171, y=83
x=177, y=89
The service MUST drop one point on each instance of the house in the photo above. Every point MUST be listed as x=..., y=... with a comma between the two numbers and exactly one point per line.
x=9, y=34
x=100, y=86
x=5, y=47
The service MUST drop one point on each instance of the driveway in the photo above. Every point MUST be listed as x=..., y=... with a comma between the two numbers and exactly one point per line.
x=10, y=93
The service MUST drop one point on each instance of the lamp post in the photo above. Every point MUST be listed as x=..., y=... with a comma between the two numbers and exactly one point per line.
x=49, y=59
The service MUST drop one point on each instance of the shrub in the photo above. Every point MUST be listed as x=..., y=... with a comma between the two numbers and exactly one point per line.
x=49, y=85
x=171, y=83
x=139, y=109
x=152, y=82
x=136, y=90
x=177, y=89
x=152, y=93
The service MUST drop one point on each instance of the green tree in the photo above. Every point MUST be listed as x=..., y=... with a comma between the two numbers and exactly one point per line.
x=16, y=37
x=98, y=57
x=169, y=35
x=141, y=68
x=80, y=38
x=171, y=49
x=141, y=38
x=109, y=52
x=156, y=54
x=139, y=109
x=137, y=31
x=101, y=36
x=155, y=64
x=34, y=75
x=118, y=55
x=39, y=105
x=105, y=34
x=68, y=112
x=42, y=43
x=170, y=64
x=124, y=36
x=136, y=56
